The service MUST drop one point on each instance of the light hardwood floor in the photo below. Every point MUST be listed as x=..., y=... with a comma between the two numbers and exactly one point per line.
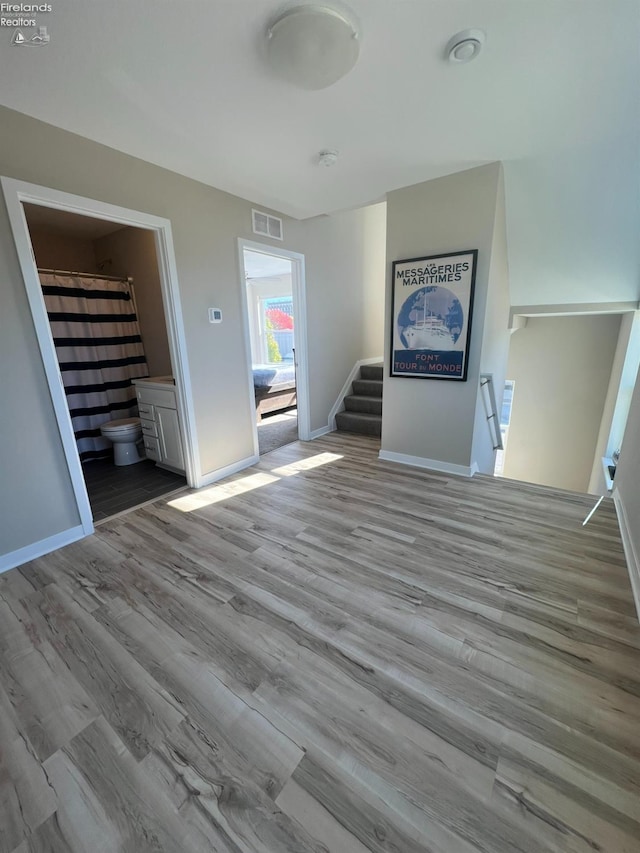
x=326, y=653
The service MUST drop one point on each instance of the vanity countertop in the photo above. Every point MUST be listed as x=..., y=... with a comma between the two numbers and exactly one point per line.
x=155, y=380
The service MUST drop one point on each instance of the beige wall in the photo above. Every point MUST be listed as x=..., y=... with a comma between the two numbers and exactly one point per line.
x=35, y=493
x=627, y=488
x=618, y=399
x=61, y=252
x=561, y=368
x=36, y=499
x=132, y=252
x=628, y=379
x=495, y=340
x=426, y=418
x=373, y=276
x=345, y=269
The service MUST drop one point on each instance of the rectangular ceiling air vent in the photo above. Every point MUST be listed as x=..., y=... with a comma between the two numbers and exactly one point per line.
x=267, y=225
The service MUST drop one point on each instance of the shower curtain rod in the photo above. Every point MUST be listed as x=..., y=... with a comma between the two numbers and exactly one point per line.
x=88, y=275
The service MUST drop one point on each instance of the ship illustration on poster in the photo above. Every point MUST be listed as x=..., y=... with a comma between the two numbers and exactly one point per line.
x=431, y=319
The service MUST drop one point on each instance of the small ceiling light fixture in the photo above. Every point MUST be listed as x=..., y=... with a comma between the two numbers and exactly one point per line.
x=465, y=46
x=328, y=158
x=313, y=46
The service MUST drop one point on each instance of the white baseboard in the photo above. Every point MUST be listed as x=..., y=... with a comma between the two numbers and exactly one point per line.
x=318, y=433
x=633, y=563
x=429, y=464
x=39, y=549
x=221, y=473
x=338, y=406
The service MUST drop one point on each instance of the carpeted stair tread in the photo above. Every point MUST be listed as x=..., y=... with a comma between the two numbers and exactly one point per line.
x=360, y=422
x=367, y=387
x=371, y=371
x=363, y=407
x=362, y=403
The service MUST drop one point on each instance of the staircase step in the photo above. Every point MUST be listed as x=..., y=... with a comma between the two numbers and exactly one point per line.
x=367, y=387
x=360, y=422
x=361, y=403
x=371, y=371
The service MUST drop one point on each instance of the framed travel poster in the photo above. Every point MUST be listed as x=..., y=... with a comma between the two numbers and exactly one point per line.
x=431, y=308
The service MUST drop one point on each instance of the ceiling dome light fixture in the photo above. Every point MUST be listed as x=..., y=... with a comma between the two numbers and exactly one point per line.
x=465, y=46
x=312, y=46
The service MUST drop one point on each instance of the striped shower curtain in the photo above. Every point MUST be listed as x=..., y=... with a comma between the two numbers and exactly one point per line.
x=97, y=338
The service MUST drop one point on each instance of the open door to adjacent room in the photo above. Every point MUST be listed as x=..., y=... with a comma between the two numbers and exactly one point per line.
x=274, y=289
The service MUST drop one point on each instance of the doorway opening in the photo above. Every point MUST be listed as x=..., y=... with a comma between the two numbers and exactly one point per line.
x=103, y=294
x=101, y=286
x=273, y=287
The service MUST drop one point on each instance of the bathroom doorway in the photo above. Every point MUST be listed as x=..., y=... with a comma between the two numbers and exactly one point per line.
x=101, y=285
x=106, y=249
x=273, y=290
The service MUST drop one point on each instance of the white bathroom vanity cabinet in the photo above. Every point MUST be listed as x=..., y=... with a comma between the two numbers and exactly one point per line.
x=159, y=420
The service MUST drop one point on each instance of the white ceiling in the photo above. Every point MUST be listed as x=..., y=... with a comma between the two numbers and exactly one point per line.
x=185, y=85
x=260, y=265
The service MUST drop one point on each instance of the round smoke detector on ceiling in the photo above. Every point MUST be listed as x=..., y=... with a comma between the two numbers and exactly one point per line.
x=328, y=158
x=465, y=46
x=312, y=46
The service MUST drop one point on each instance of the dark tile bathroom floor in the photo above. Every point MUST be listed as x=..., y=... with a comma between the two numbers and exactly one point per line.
x=112, y=490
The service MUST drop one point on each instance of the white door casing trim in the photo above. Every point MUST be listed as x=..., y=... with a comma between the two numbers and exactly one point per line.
x=300, y=333
x=16, y=193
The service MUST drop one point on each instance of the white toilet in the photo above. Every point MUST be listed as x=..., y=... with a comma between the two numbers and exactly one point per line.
x=125, y=434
